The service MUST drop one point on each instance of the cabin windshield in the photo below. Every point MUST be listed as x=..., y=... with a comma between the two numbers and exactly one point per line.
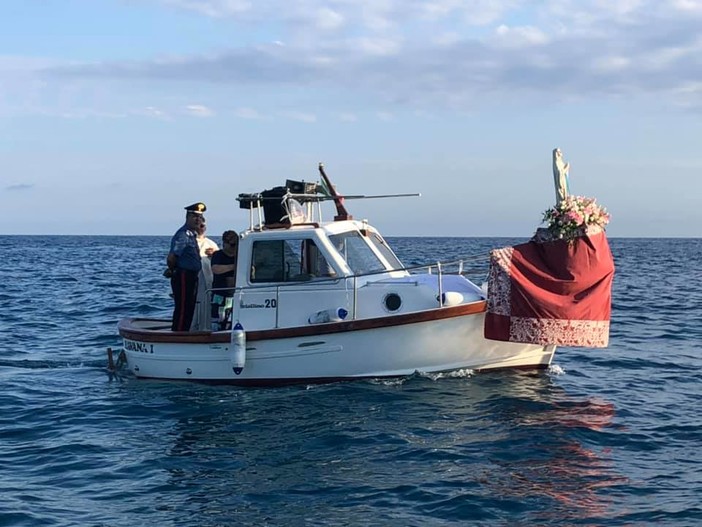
x=358, y=255
x=383, y=248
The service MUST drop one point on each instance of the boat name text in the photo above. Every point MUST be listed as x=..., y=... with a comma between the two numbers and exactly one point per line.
x=268, y=303
x=141, y=347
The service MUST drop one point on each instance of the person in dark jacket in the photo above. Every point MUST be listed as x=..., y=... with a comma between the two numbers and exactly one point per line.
x=184, y=266
x=224, y=273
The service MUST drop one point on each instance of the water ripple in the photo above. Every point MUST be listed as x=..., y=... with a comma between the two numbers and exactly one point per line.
x=605, y=437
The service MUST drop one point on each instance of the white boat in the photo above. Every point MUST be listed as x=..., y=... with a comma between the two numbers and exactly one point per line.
x=322, y=301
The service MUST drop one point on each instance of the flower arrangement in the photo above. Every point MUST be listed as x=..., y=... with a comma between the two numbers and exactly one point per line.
x=573, y=216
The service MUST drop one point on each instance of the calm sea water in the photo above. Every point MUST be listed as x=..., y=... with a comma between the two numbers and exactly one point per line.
x=606, y=437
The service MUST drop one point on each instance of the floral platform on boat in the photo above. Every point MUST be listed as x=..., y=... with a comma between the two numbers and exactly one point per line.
x=556, y=288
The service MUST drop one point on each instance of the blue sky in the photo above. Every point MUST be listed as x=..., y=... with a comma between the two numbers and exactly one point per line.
x=115, y=114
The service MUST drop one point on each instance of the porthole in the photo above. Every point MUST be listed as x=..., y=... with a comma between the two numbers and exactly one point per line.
x=392, y=302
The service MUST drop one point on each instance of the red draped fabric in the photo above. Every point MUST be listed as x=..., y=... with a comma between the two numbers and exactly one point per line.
x=551, y=292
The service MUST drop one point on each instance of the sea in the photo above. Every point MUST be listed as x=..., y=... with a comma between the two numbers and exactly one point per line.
x=607, y=436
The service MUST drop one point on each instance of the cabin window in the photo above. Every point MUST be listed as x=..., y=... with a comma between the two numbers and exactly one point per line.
x=385, y=251
x=358, y=255
x=290, y=260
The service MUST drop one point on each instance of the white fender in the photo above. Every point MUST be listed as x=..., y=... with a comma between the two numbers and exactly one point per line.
x=451, y=298
x=328, y=315
x=237, y=353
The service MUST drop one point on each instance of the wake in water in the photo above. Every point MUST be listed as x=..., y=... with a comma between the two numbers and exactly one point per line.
x=396, y=381
x=49, y=364
x=555, y=369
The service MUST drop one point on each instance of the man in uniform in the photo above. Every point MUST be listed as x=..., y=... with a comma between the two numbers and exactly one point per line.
x=184, y=266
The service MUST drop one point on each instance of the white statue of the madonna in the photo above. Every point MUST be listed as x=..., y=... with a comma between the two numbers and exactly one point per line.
x=560, y=175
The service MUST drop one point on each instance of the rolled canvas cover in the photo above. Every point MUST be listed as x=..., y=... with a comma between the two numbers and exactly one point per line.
x=551, y=292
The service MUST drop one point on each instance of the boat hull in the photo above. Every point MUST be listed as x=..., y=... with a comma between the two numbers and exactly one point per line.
x=329, y=352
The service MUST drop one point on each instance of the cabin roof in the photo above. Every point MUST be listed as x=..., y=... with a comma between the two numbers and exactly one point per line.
x=292, y=231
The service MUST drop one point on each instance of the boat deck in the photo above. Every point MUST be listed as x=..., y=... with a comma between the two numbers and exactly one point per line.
x=151, y=324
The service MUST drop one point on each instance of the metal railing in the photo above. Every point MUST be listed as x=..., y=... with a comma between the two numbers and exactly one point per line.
x=441, y=269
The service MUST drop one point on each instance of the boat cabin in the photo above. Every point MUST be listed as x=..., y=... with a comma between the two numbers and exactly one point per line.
x=295, y=270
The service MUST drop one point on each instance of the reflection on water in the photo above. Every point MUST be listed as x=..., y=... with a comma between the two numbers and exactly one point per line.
x=513, y=438
x=564, y=470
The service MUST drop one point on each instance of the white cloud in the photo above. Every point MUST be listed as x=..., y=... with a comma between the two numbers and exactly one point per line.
x=448, y=38
x=198, y=110
x=328, y=19
x=85, y=113
x=377, y=46
x=611, y=63
x=691, y=88
x=416, y=53
x=247, y=113
x=691, y=6
x=348, y=117
x=475, y=12
x=618, y=7
x=213, y=8
x=667, y=57
x=689, y=95
x=19, y=64
x=519, y=36
x=152, y=111
x=301, y=116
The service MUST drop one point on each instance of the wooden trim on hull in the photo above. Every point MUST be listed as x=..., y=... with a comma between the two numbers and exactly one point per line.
x=273, y=383
x=128, y=331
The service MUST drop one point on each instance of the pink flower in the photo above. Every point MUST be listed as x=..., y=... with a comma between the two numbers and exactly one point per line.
x=574, y=212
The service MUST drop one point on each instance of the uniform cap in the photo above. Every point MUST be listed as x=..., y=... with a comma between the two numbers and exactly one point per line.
x=196, y=208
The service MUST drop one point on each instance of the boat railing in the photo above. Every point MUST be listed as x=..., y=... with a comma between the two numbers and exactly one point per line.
x=465, y=266
x=453, y=267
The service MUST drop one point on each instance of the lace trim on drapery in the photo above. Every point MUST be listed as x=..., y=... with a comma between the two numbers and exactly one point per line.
x=586, y=333
x=500, y=285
